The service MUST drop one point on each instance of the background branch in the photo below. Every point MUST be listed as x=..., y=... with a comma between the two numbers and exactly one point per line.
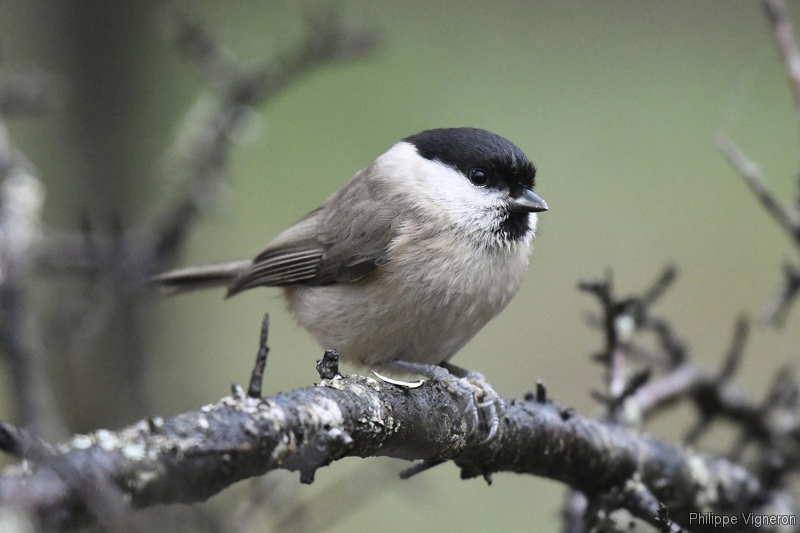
x=788, y=217
x=21, y=202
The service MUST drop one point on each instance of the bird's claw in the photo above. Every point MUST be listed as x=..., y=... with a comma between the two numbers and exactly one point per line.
x=487, y=400
x=481, y=397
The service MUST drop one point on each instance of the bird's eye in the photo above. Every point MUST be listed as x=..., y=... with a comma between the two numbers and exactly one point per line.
x=478, y=177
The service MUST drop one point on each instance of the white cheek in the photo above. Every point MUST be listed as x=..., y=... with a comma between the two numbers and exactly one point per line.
x=441, y=192
x=463, y=200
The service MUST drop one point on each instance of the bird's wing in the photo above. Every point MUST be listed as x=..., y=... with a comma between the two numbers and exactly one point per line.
x=342, y=241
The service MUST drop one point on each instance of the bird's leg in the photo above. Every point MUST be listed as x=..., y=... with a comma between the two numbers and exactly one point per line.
x=481, y=395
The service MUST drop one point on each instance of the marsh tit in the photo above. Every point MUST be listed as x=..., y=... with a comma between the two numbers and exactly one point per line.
x=410, y=258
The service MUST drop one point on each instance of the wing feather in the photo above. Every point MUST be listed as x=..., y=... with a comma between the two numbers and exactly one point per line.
x=341, y=242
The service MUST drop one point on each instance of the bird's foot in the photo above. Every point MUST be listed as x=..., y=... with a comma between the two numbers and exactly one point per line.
x=486, y=399
x=482, y=398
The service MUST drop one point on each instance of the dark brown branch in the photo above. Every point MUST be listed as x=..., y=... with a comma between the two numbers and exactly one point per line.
x=621, y=320
x=195, y=455
x=21, y=443
x=660, y=286
x=641, y=503
x=103, y=499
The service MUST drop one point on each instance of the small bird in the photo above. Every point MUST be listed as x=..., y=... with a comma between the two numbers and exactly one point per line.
x=405, y=263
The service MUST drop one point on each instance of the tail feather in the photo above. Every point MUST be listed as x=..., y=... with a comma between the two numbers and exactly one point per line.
x=200, y=277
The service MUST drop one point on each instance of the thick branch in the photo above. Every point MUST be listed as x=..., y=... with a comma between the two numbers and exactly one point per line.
x=195, y=455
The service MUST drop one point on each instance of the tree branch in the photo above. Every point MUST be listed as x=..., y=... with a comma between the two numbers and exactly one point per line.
x=195, y=455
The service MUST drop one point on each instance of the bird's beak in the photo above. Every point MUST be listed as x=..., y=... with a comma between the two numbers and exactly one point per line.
x=528, y=202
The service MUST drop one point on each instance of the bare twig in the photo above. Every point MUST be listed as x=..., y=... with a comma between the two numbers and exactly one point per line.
x=788, y=217
x=637, y=499
x=104, y=500
x=734, y=356
x=257, y=377
x=622, y=319
x=775, y=310
x=774, y=424
x=778, y=15
x=752, y=176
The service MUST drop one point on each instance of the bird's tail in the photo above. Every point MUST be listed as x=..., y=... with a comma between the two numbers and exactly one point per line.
x=200, y=277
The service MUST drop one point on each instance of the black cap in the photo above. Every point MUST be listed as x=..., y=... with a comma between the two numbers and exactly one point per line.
x=467, y=149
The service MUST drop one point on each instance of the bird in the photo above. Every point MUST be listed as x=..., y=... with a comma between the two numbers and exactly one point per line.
x=408, y=260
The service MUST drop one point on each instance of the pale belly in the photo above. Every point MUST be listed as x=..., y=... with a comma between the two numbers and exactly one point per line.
x=425, y=315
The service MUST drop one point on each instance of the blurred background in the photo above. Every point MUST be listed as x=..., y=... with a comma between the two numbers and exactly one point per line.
x=617, y=102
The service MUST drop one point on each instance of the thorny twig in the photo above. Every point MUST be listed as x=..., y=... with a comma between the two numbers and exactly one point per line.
x=774, y=425
x=621, y=320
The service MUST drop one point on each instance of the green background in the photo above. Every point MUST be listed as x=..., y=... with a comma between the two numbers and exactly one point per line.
x=617, y=103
